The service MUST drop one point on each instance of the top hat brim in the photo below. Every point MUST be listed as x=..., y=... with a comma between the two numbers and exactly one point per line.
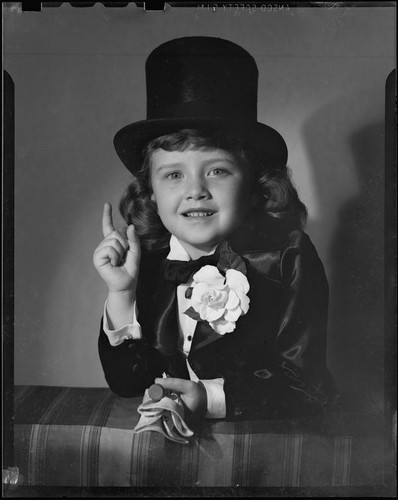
x=132, y=139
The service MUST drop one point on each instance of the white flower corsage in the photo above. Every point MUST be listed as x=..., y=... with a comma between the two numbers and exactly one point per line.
x=220, y=300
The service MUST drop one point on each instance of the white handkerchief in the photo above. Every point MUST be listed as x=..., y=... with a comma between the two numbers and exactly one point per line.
x=165, y=416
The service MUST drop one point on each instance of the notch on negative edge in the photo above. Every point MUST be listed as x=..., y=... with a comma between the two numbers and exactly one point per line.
x=154, y=6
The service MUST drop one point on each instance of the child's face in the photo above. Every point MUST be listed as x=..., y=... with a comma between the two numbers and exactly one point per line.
x=202, y=196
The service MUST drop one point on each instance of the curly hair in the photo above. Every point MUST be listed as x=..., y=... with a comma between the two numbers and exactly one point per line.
x=278, y=208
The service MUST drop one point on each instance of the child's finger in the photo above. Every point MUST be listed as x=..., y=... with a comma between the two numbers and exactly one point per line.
x=115, y=235
x=178, y=385
x=115, y=243
x=107, y=221
x=133, y=240
x=104, y=255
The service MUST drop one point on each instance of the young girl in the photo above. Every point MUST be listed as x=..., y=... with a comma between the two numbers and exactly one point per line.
x=213, y=282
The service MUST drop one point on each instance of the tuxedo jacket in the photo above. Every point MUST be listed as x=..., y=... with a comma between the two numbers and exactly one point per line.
x=273, y=363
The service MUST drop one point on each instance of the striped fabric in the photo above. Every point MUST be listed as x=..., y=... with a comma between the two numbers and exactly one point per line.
x=83, y=437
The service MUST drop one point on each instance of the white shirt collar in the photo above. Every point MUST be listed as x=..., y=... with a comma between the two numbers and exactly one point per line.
x=178, y=252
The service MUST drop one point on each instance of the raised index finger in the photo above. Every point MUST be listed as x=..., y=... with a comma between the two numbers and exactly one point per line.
x=107, y=221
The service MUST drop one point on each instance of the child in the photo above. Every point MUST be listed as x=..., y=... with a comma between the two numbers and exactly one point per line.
x=214, y=282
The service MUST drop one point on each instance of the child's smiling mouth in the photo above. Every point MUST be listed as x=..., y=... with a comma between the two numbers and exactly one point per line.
x=198, y=213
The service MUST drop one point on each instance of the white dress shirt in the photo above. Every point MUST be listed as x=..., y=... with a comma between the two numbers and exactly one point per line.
x=186, y=325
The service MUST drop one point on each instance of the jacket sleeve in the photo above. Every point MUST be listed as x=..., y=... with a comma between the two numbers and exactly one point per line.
x=283, y=373
x=129, y=367
x=132, y=366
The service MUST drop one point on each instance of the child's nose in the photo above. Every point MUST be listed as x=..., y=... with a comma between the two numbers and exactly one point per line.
x=197, y=189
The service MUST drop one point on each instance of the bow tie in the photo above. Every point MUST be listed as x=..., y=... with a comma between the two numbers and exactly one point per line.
x=179, y=271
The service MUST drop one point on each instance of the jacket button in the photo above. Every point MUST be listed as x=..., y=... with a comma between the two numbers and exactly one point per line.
x=238, y=411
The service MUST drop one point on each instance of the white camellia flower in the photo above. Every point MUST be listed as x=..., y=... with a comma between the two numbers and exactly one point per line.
x=220, y=300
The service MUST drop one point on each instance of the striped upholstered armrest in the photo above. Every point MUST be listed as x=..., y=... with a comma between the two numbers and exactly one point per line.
x=83, y=437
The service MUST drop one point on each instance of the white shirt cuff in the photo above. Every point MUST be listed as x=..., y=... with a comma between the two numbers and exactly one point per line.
x=126, y=332
x=215, y=398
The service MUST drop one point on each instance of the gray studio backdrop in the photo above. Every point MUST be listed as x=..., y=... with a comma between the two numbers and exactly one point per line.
x=79, y=77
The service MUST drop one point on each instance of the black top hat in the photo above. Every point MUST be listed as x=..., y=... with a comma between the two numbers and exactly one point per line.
x=200, y=82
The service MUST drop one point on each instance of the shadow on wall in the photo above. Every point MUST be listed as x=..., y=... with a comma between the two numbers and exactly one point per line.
x=357, y=279
x=352, y=210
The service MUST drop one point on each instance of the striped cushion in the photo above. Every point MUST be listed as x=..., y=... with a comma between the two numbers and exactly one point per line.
x=82, y=437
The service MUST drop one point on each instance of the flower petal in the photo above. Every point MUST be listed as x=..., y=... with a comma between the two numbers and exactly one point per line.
x=223, y=327
x=244, y=303
x=237, y=281
x=215, y=299
x=233, y=300
x=214, y=314
x=209, y=275
x=197, y=293
x=203, y=312
x=233, y=314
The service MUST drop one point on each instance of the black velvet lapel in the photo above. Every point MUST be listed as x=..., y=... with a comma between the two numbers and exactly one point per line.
x=165, y=316
x=204, y=334
x=165, y=324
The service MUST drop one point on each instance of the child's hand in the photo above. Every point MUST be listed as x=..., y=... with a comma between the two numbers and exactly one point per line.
x=117, y=257
x=193, y=394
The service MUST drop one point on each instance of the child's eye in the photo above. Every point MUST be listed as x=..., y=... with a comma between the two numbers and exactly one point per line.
x=173, y=175
x=218, y=171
